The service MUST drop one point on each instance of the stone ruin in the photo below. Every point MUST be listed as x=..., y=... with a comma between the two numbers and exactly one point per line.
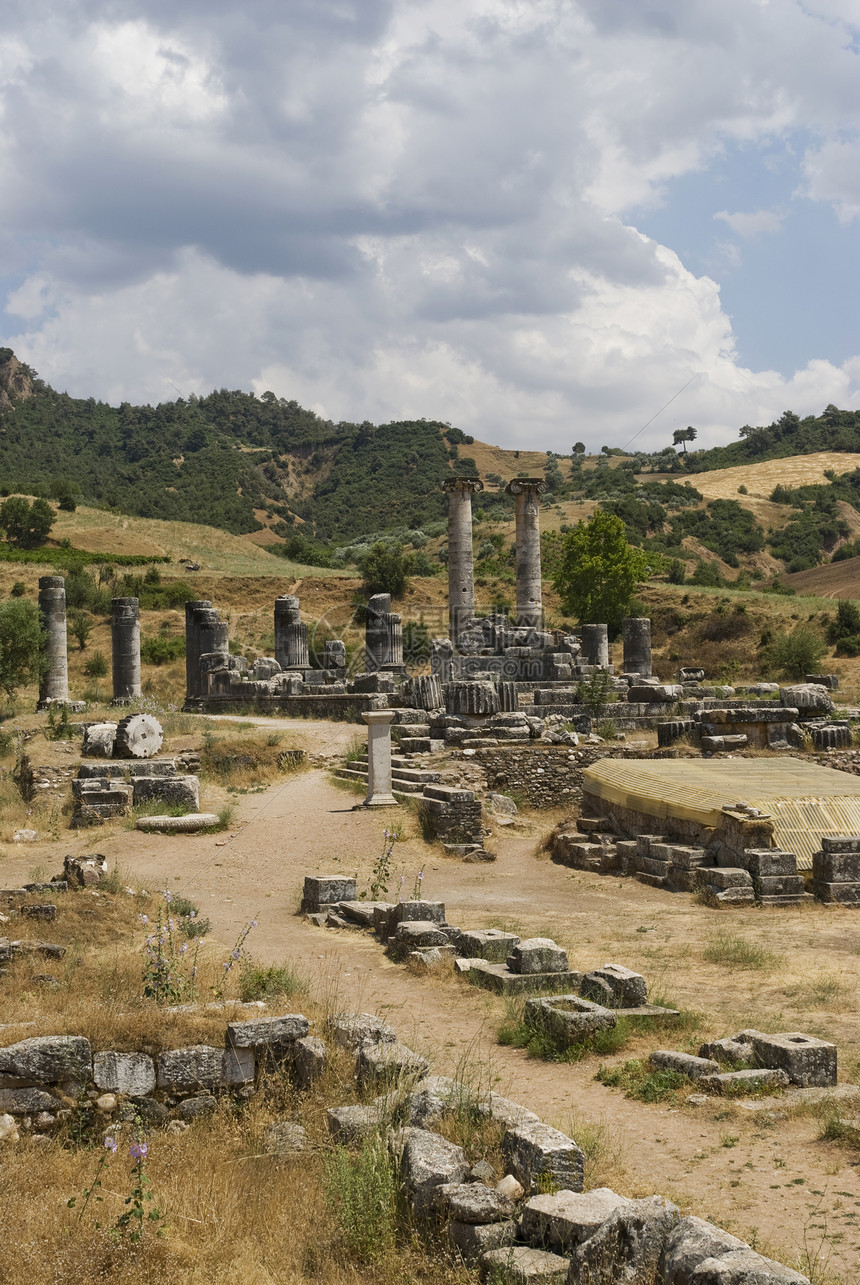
x=125, y=648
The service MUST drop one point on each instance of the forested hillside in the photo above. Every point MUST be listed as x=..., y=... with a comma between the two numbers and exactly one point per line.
x=832, y=430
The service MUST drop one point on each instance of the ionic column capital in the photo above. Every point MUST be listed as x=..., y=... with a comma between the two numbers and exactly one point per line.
x=464, y=484
x=518, y=485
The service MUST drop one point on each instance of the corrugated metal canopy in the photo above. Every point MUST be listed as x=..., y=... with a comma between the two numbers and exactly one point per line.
x=804, y=801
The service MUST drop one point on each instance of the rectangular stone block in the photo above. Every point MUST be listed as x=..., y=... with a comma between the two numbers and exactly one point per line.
x=404, y=911
x=536, y=1153
x=498, y=978
x=202, y=1067
x=487, y=943
x=644, y=841
x=654, y=866
x=845, y=894
x=560, y=1221
x=652, y=881
x=807, y=1061
x=46, y=1059
x=128, y=1073
x=537, y=955
x=27, y=1101
x=836, y=867
x=520, y=1265
x=176, y=791
x=324, y=890
x=770, y=862
x=723, y=877
x=270, y=1030
x=684, y=1063
x=738, y=1082
x=780, y=886
x=840, y=843
x=687, y=858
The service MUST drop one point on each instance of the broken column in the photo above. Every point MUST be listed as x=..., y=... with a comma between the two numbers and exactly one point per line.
x=383, y=635
x=195, y=613
x=214, y=641
x=291, y=636
x=527, y=492
x=125, y=649
x=595, y=645
x=461, y=571
x=379, y=759
x=637, y=645
x=54, y=685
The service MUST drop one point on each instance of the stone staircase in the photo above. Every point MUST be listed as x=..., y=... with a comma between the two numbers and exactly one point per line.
x=406, y=779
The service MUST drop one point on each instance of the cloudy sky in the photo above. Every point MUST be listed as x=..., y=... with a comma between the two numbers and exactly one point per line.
x=539, y=220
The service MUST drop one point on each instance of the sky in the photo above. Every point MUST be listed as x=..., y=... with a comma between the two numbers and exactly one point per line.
x=543, y=221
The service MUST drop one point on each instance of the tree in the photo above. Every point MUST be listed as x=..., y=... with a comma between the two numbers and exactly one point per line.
x=26, y=525
x=385, y=569
x=81, y=623
x=682, y=436
x=798, y=653
x=578, y=448
x=598, y=570
x=20, y=643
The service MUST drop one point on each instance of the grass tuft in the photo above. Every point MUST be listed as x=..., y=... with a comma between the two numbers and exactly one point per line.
x=737, y=952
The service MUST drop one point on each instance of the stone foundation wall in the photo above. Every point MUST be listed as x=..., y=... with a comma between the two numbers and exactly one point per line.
x=545, y=775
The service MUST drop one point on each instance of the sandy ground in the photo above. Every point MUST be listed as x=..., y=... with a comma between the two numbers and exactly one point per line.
x=773, y=1182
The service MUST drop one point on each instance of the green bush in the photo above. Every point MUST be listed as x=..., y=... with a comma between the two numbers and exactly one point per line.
x=361, y=1188
x=796, y=654
x=161, y=649
x=641, y=1083
x=96, y=666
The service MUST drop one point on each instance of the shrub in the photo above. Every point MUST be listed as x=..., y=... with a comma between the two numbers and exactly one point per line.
x=261, y=981
x=796, y=654
x=362, y=1193
x=18, y=589
x=161, y=649
x=640, y=1082
x=20, y=640
x=96, y=666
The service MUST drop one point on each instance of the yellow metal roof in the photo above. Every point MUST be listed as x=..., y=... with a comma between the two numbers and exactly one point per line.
x=804, y=801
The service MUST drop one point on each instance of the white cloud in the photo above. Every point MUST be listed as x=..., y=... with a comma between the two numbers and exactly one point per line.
x=755, y=223
x=396, y=208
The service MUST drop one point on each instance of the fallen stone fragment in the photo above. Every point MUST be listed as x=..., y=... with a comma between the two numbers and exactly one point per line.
x=684, y=1063
x=202, y=1067
x=188, y=824
x=474, y=1202
x=691, y=1241
x=626, y=1249
x=566, y=1219
x=472, y=1240
x=535, y=1153
x=47, y=1059
x=744, y=1267
x=132, y=1074
x=310, y=1057
x=428, y=1160
x=191, y=1108
x=26, y=1101
x=285, y=1136
x=520, y=1265
x=266, y=1031
x=351, y=1123
x=744, y=1081
x=351, y=1030
x=8, y=1129
x=384, y=1063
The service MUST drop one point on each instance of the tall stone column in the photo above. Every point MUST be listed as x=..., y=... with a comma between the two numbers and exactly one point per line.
x=54, y=684
x=291, y=636
x=125, y=649
x=595, y=645
x=527, y=492
x=637, y=645
x=195, y=612
x=379, y=759
x=394, y=630
x=377, y=633
x=461, y=569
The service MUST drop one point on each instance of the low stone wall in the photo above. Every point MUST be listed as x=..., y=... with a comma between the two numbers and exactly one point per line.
x=544, y=775
x=343, y=707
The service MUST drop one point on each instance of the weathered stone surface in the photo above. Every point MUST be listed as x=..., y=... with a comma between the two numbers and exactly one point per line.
x=417, y=934
x=723, y=877
x=537, y=955
x=834, y=867
x=520, y=1265
x=744, y=1267
x=535, y=1152
x=627, y=1248
x=386, y=1062
x=188, y=824
x=175, y=791
x=283, y=1137
x=684, y=1063
x=351, y=1030
x=626, y=989
x=310, y=1057
x=46, y=1059
x=324, y=890
x=202, y=1067
x=806, y=696
x=267, y=1030
x=479, y=699
x=691, y=1241
x=437, y=1095
x=770, y=861
x=348, y=1124
x=132, y=1074
x=26, y=1101
x=39, y=910
x=739, y=1081
x=807, y=1061
x=487, y=943
x=569, y=1018
x=420, y=911
x=564, y=1220
x=86, y=871
x=191, y=1108
x=428, y=1160
x=138, y=737
x=474, y=1202
x=99, y=739
x=472, y=1240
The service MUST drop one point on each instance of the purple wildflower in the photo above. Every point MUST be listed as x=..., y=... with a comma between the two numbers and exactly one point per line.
x=111, y=1144
x=138, y=1150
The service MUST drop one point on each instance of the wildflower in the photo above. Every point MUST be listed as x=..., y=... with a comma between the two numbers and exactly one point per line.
x=253, y=923
x=138, y=1150
x=183, y=948
x=110, y=1143
x=234, y=954
x=144, y=919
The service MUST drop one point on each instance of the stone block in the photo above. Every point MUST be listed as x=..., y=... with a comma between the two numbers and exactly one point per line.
x=780, y=886
x=737, y=1082
x=722, y=877
x=27, y=1101
x=404, y=911
x=427, y=1159
x=807, y=1061
x=664, y=693
x=769, y=862
x=690, y=1242
x=176, y=791
x=471, y=1240
x=840, y=843
x=132, y=1074
x=644, y=841
x=684, y=1063
x=416, y=934
x=626, y=989
x=835, y=867
x=535, y=1153
x=46, y=1059
x=743, y=1267
x=537, y=955
x=687, y=858
x=323, y=890
x=487, y=943
x=310, y=1057
x=719, y=744
x=564, y=1220
x=267, y=1030
x=435, y=1097
x=735, y=896
x=568, y=1018
x=627, y=1248
x=499, y=978
x=473, y=1202
x=191, y=1108
x=845, y=894
x=351, y=1123
x=520, y=1265
x=806, y=696
x=654, y=866
x=39, y=910
x=351, y=1030
x=202, y=1067
x=386, y=1063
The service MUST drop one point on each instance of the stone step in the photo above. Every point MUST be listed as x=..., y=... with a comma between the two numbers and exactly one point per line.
x=416, y=744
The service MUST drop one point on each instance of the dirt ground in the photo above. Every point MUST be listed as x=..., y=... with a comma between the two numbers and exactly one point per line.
x=766, y=1175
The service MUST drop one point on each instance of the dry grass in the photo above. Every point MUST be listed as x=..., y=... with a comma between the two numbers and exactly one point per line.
x=760, y=479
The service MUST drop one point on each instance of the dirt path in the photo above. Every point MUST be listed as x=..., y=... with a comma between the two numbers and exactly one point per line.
x=772, y=1183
